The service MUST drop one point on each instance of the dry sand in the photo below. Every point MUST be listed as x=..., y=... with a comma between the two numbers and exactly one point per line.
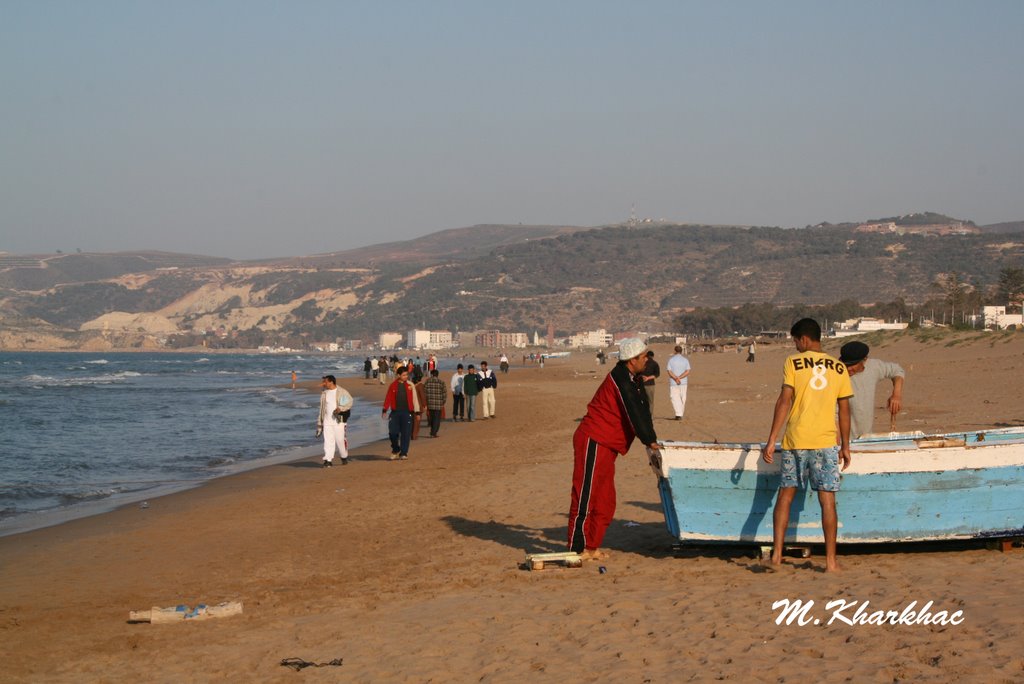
x=410, y=571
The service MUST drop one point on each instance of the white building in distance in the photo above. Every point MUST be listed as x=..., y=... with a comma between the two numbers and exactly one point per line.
x=859, y=326
x=996, y=316
x=389, y=340
x=429, y=339
x=591, y=338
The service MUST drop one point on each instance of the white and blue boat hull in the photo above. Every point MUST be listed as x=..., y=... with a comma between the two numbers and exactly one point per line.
x=907, y=487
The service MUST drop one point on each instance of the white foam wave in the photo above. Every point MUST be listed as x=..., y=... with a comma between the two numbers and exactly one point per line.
x=40, y=381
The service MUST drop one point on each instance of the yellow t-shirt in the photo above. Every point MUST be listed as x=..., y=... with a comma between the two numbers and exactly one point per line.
x=818, y=381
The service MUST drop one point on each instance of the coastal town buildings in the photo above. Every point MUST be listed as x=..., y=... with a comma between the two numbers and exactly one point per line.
x=501, y=340
x=591, y=338
x=429, y=339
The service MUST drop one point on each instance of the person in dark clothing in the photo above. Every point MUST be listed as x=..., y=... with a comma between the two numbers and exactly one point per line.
x=650, y=373
x=437, y=394
x=471, y=386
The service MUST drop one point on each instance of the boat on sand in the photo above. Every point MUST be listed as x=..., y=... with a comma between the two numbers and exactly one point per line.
x=900, y=487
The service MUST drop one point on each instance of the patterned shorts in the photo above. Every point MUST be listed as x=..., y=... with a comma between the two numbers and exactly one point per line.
x=819, y=467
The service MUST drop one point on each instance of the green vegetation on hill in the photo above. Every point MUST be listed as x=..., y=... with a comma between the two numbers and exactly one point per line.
x=923, y=218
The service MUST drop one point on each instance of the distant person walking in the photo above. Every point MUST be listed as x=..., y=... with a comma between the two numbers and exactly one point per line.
x=751, y=351
x=503, y=363
x=421, y=398
x=678, y=368
x=813, y=384
x=401, y=400
x=335, y=408
x=458, y=396
x=471, y=386
x=488, y=383
x=437, y=395
x=617, y=413
x=652, y=371
x=865, y=374
x=367, y=366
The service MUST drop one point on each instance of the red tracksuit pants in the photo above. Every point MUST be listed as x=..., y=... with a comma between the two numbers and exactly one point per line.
x=593, y=492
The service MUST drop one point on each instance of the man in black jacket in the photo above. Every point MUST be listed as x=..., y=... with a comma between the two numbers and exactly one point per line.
x=487, y=383
x=651, y=371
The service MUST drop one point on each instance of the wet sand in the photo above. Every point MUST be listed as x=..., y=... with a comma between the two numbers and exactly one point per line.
x=411, y=571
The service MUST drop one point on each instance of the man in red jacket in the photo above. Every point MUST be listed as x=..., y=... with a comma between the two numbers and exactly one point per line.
x=401, y=400
x=617, y=413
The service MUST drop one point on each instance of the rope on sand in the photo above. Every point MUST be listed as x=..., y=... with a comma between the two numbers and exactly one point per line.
x=298, y=663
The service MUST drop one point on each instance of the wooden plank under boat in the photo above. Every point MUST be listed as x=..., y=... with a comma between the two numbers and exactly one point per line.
x=899, y=487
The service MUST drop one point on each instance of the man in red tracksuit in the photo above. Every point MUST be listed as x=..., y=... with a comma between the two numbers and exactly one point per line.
x=401, y=399
x=617, y=413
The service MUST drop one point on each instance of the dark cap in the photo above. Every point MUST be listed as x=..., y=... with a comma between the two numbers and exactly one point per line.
x=853, y=353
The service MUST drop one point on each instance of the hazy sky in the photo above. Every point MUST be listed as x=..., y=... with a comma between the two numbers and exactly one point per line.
x=254, y=129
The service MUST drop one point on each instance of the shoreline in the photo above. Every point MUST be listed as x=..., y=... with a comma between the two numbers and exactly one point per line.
x=31, y=521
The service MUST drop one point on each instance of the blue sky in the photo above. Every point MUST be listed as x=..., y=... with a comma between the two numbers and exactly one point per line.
x=255, y=129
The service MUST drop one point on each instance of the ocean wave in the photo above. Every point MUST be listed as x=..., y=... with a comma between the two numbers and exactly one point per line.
x=41, y=381
x=98, y=361
x=26, y=492
x=203, y=360
x=68, y=498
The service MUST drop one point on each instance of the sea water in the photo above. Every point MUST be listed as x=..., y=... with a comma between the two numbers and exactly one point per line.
x=81, y=433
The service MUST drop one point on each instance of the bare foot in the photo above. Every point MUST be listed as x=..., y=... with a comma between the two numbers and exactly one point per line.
x=832, y=567
x=594, y=554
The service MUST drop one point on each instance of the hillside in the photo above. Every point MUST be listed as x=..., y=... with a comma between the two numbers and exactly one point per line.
x=1008, y=227
x=454, y=243
x=37, y=272
x=512, y=278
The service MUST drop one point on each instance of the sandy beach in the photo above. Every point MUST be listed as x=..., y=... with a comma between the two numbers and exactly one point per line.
x=412, y=571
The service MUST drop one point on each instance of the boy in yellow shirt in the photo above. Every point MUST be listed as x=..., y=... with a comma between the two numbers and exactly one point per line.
x=813, y=383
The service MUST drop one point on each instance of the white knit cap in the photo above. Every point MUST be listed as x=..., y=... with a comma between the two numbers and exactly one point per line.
x=630, y=347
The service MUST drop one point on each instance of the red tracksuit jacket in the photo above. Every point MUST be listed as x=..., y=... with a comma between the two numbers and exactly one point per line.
x=618, y=413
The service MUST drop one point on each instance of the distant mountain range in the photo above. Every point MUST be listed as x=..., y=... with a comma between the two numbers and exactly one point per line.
x=511, y=277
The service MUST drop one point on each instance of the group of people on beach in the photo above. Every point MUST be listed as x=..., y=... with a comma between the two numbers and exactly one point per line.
x=416, y=392
x=408, y=399
x=816, y=388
